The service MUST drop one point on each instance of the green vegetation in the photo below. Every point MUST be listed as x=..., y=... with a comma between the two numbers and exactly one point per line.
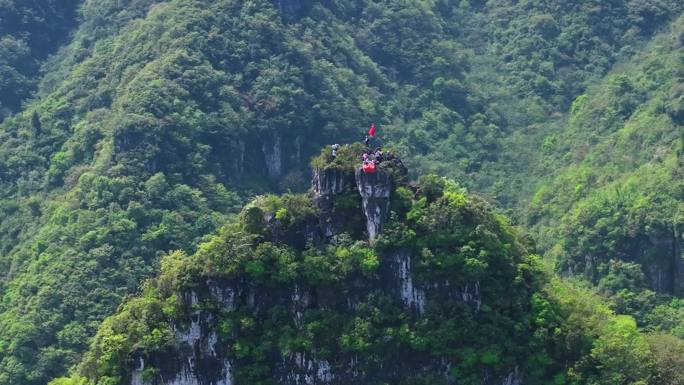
x=151, y=127
x=549, y=328
x=29, y=31
x=613, y=214
x=348, y=157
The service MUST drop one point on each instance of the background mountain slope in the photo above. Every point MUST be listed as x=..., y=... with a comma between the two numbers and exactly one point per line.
x=29, y=32
x=159, y=117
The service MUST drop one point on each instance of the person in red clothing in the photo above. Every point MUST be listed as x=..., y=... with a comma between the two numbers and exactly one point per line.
x=369, y=135
x=368, y=165
x=371, y=130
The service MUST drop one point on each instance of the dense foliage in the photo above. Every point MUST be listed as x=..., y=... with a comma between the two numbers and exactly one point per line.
x=614, y=212
x=159, y=118
x=547, y=328
x=29, y=31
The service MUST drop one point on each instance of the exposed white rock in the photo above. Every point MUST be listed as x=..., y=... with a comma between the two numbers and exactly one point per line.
x=410, y=295
x=227, y=375
x=194, y=332
x=513, y=377
x=471, y=295
x=375, y=189
x=308, y=371
x=300, y=301
x=202, y=340
x=224, y=296
x=324, y=372
x=192, y=298
x=272, y=157
x=186, y=376
x=208, y=347
x=353, y=368
x=448, y=375
x=136, y=376
x=327, y=182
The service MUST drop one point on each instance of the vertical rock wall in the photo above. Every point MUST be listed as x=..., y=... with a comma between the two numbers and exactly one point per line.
x=661, y=257
x=273, y=157
x=678, y=257
x=327, y=184
x=375, y=189
x=198, y=359
x=401, y=284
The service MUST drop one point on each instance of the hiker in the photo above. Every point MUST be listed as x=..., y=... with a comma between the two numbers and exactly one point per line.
x=368, y=166
x=334, y=150
x=371, y=130
x=378, y=155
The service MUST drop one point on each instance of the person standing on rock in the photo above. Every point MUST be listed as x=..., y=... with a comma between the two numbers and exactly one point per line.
x=334, y=150
x=370, y=135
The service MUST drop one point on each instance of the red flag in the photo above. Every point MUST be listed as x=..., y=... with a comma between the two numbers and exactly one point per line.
x=371, y=131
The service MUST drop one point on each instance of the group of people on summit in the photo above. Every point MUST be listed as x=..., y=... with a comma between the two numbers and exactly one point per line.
x=369, y=158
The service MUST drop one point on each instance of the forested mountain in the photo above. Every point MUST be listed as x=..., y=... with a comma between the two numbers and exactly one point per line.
x=153, y=122
x=294, y=291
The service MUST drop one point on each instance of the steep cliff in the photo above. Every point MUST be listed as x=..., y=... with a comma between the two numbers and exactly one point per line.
x=375, y=189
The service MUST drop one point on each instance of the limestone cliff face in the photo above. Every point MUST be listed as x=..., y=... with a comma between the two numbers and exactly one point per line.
x=663, y=261
x=278, y=155
x=329, y=182
x=660, y=256
x=201, y=355
x=198, y=358
x=330, y=186
x=401, y=283
x=375, y=190
x=273, y=157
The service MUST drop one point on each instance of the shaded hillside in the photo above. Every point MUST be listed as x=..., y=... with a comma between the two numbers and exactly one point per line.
x=29, y=32
x=528, y=60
